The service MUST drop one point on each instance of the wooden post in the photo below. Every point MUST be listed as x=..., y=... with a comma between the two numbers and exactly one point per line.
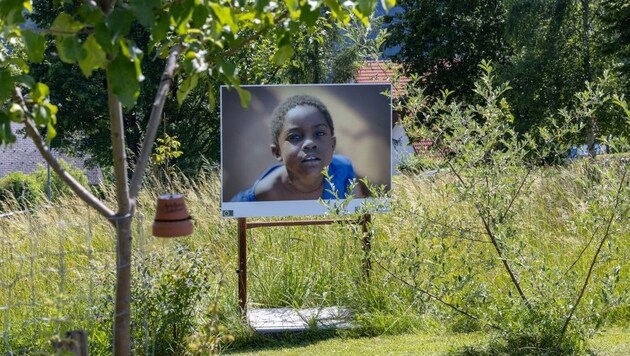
x=242, y=265
x=367, y=244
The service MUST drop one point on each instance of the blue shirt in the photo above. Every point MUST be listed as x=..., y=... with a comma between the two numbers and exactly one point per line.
x=340, y=172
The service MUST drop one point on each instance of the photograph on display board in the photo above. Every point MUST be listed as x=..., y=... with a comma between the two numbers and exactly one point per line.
x=295, y=145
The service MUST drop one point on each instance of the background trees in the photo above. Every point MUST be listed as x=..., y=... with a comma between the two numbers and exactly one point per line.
x=445, y=41
x=615, y=42
x=546, y=49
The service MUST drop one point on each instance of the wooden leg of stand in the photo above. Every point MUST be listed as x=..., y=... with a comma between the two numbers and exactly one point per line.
x=242, y=265
x=367, y=244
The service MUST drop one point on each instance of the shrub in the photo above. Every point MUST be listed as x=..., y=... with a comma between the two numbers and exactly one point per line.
x=24, y=189
x=58, y=188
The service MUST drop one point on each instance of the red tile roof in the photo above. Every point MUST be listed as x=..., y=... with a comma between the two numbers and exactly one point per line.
x=381, y=72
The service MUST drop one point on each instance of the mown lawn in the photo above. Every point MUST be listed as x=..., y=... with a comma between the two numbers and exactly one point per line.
x=611, y=341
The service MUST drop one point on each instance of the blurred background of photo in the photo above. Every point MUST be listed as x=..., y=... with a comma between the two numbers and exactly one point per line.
x=361, y=114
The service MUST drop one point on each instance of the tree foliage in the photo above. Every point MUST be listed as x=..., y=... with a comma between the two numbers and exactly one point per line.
x=444, y=41
x=615, y=18
x=547, y=49
x=197, y=41
x=84, y=99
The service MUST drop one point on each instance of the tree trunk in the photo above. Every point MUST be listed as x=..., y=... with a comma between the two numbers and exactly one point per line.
x=122, y=221
x=590, y=136
x=591, y=124
x=122, y=319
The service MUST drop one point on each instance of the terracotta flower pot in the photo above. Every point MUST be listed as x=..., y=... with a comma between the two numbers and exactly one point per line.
x=171, y=217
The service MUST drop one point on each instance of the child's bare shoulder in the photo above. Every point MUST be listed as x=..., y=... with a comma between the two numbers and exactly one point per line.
x=270, y=187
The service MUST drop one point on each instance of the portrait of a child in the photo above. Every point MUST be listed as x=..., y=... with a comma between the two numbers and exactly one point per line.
x=303, y=143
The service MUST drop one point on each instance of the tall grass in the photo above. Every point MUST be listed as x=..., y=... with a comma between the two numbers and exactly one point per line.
x=433, y=268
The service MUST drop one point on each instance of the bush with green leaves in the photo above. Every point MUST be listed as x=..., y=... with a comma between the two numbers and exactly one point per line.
x=490, y=171
x=28, y=190
x=58, y=188
x=22, y=189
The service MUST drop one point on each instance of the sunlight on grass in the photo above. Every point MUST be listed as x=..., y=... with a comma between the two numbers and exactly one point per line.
x=58, y=271
x=612, y=341
x=424, y=344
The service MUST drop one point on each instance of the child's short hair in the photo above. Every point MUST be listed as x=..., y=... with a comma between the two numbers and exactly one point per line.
x=280, y=113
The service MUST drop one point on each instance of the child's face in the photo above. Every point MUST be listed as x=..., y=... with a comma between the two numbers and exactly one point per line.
x=305, y=143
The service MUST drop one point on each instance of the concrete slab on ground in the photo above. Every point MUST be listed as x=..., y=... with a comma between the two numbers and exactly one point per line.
x=275, y=320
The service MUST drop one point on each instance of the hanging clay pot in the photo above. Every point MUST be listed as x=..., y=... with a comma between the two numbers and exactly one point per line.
x=171, y=217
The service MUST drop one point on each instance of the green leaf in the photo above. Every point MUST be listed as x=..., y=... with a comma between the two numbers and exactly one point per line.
x=200, y=16
x=41, y=115
x=104, y=37
x=129, y=50
x=6, y=85
x=182, y=13
x=123, y=79
x=260, y=5
x=119, y=23
x=11, y=11
x=184, y=89
x=95, y=58
x=50, y=133
x=283, y=54
x=35, y=45
x=227, y=68
x=244, y=95
x=6, y=135
x=388, y=4
x=143, y=10
x=64, y=24
x=366, y=7
x=25, y=80
x=20, y=63
x=309, y=15
x=294, y=8
x=89, y=14
x=160, y=27
x=337, y=12
x=40, y=92
x=70, y=49
x=224, y=16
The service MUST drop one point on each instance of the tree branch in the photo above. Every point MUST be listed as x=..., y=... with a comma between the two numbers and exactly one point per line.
x=119, y=153
x=154, y=122
x=106, y=5
x=596, y=256
x=495, y=243
x=434, y=297
x=68, y=179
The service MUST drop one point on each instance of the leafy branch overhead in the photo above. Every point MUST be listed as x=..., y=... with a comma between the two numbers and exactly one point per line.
x=95, y=36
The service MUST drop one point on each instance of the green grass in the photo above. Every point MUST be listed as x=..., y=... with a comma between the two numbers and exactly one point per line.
x=430, y=258
x=610, y=341
x=426, y=344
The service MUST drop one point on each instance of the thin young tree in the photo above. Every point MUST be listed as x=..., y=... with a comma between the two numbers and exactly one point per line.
x=194, y=37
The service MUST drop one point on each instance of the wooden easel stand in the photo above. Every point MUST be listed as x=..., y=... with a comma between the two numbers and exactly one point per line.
x=243, y=225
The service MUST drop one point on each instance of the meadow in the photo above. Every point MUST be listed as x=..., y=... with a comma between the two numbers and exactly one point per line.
x=435, y=269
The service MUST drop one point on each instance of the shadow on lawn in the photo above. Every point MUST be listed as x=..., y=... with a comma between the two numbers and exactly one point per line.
x=277, y=341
